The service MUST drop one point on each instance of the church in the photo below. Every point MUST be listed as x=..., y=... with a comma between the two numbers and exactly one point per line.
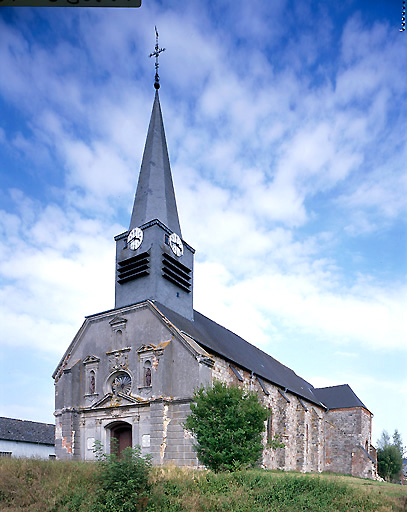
x=130, y=372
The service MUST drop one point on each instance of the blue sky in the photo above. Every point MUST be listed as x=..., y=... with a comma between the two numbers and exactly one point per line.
x=286, y=127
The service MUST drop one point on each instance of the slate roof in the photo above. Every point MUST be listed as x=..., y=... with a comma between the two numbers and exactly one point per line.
x=338, y=397
x=155, y=196
x=27, y=431
x=223, y=342
x=232, y=347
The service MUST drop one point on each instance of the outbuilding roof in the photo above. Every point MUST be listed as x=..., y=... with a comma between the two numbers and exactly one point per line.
x=27, y=431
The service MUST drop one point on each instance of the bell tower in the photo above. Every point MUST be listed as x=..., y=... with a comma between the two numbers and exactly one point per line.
x=152, y=260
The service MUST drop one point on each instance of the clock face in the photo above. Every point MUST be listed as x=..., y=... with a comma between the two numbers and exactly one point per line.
x=176, y=245
x=134, y=239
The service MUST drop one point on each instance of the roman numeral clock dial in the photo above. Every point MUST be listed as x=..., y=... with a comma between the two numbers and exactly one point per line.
x=134, y=239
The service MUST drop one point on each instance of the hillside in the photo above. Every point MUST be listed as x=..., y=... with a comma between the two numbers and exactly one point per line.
x=52, y=486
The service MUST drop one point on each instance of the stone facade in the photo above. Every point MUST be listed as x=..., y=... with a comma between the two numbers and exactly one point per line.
x=130, y=373
x=89, y=409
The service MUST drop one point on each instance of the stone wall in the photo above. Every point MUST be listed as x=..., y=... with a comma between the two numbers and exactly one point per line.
x=346, y=430
x=363, y=465
x=298, y=423
x=179, y=448
x=67, y=435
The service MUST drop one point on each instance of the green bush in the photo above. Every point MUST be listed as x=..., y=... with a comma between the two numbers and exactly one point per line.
x=227, y=423
x=123, y=484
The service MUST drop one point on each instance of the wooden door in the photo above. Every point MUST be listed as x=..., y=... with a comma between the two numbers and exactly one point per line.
x=122, y=434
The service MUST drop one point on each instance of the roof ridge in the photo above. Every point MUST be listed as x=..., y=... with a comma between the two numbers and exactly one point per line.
x=25, y=421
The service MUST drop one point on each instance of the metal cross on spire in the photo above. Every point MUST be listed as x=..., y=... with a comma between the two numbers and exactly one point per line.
x=156, y=54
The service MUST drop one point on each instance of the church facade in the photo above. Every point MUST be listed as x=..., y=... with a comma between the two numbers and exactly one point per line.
x=130, y=372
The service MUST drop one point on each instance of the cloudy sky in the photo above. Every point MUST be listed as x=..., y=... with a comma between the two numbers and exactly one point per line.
x=286, y=127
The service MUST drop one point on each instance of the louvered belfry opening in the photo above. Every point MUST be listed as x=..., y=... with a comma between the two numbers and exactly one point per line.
x=133, y=268
x=177, y=273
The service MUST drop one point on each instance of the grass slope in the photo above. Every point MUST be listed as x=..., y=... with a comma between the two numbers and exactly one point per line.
x=52, y=486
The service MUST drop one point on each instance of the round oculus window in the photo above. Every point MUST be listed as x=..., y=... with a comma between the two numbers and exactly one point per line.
x=122, y=384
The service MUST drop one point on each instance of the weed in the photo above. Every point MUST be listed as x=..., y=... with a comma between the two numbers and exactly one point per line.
x=122, y=481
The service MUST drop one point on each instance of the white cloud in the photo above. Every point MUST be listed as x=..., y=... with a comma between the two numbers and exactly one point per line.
x=367, y=316
x=55, y=267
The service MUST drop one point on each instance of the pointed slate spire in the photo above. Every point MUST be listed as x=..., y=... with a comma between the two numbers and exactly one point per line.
x=155, y=197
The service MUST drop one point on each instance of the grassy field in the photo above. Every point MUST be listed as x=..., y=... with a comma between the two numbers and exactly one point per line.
x=52, y=486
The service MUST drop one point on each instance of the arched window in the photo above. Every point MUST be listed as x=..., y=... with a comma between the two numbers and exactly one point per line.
x=147, y=373
x=92, y=382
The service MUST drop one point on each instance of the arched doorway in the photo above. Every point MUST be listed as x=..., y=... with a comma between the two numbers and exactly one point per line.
x=123, y=437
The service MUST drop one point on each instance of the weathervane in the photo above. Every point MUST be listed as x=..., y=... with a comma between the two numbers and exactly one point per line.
x=155, y=54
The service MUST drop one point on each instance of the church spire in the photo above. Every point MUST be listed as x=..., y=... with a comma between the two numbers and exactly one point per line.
x=155, y=196
x=153, y=262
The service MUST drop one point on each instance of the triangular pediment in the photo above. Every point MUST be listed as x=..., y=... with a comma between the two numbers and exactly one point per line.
x=146, y=348
x=115, y=400
x=117, y=320
x=91, y=359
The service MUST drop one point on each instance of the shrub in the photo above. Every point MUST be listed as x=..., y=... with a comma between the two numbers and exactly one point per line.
x=122, y=481
x=227, y=423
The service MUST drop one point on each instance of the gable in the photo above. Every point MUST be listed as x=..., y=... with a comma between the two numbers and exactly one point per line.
x=145, y=338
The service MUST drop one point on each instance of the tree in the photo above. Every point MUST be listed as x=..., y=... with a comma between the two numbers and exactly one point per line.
x=384, y=440
x=389, y=462
x=398, y=443
x=227, y=423
x=390, y=456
